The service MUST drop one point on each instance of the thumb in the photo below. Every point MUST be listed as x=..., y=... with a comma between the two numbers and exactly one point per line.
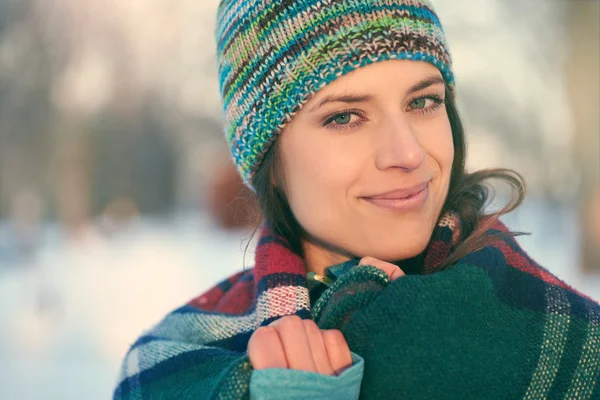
x=393, y=271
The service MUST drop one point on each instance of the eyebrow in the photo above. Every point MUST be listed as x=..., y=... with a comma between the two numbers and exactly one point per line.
x=351, y=98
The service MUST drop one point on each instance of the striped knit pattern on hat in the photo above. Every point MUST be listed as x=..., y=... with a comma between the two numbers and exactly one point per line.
x=273, y=56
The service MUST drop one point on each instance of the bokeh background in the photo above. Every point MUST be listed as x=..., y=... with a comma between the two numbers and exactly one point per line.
x=118, y=202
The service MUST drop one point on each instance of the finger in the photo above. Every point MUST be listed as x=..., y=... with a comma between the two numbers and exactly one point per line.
x=295, y=343
x=317, y=346
x=393, y=271
x=337, y=350
x=265, y=349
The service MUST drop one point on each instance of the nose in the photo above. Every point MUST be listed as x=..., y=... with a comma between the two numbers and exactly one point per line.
x=398, y=146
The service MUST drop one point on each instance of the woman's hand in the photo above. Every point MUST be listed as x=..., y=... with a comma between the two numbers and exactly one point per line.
x=294, y=343
x=393, y=271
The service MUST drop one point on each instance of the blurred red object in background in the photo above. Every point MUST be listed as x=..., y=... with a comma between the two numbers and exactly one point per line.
x=230, y=202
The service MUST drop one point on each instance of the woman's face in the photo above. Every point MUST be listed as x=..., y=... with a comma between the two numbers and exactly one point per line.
x=354, y=150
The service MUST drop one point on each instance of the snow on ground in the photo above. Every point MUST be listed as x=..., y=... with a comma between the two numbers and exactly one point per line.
x=68, y=320
x=69, y=315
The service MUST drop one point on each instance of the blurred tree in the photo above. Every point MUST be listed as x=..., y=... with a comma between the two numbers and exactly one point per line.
x=133, y=158
x=509, y=57
x=28, y=66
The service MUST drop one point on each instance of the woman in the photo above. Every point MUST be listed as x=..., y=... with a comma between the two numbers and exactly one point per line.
x=377, y=273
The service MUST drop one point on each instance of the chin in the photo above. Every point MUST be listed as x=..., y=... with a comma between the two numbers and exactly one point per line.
x=395, y=256
x=397, y=251
x=401, y=242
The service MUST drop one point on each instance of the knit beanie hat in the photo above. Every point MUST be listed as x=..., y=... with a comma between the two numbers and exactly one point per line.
x=274, y=55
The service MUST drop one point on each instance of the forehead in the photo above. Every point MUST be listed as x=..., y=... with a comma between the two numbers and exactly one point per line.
x=397, y=76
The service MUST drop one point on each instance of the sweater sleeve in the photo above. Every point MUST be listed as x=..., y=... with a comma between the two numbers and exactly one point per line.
x=278, y=383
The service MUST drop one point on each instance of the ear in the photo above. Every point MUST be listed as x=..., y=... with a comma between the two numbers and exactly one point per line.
x=275, y=177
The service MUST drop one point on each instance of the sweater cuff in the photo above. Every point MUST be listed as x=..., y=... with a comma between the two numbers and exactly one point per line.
x=279, y=383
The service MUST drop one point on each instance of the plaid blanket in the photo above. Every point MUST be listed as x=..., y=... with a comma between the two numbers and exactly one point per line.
x=495, y=325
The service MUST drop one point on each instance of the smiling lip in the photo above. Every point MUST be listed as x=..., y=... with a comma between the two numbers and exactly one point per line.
x=401, y=200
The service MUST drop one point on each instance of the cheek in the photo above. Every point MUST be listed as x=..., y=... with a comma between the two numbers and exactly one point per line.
x=441, y=150
x=447, y=152
x=440, y=147
x=317, y=176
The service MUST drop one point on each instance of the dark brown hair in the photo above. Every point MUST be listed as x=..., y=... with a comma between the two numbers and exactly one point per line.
x=468, y=195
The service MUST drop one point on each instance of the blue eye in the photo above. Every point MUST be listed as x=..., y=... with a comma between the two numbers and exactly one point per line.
x=343, y=120
x=420, y=104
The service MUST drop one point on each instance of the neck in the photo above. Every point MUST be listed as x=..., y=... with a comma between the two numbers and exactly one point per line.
x=318, y=257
